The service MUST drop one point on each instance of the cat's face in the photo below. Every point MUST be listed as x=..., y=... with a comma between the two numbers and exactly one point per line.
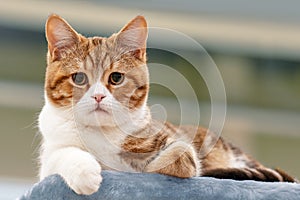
x=102, y=81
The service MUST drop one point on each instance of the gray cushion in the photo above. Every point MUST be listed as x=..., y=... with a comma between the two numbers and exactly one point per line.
x=122, y=185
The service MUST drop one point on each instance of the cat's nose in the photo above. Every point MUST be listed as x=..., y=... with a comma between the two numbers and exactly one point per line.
x=98, y=97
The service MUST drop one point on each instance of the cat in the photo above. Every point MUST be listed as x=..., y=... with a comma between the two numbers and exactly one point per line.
x=96, y=117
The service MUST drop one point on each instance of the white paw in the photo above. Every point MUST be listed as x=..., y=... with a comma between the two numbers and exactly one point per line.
x=85, y=178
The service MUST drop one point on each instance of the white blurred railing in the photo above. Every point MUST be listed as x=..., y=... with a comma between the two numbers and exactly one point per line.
x=11, y=188
x=273, y=29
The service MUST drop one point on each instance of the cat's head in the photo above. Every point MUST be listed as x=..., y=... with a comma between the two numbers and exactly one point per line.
x=103, y=81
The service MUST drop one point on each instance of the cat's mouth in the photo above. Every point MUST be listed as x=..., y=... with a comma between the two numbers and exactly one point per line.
x=99, y=109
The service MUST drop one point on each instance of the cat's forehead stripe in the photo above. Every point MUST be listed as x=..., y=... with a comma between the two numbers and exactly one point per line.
x=100, y=56
x=89, y=63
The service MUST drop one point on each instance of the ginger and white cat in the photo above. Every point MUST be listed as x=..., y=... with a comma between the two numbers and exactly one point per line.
x=96, y=116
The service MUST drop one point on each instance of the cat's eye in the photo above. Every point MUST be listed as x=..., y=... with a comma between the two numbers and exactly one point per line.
x=116, y=78
x=80, y=78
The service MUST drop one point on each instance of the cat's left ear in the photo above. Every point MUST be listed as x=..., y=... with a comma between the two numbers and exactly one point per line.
x=61, y=37
x=133, y=37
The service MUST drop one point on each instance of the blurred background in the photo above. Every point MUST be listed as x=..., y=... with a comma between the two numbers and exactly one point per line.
x=255, y=44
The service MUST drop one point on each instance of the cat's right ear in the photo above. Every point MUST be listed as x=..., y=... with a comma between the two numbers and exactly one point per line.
x=60, y=36
x=133, y=37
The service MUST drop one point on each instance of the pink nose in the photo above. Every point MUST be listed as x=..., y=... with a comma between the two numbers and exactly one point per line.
x=98, y=97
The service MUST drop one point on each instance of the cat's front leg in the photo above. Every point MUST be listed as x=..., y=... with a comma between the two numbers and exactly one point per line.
x=79, y=169
x=178, y=159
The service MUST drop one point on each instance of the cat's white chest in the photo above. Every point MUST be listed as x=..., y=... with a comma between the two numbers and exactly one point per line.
x=106, y=148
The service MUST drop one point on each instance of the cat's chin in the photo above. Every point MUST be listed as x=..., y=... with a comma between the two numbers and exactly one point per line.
x=102, y=115
x=99, y=118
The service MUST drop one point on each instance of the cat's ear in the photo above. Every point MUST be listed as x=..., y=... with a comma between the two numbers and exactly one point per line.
x=133, y=37
x=60, y=36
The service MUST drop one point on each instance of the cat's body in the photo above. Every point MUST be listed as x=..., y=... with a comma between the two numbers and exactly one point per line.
x=96, y=116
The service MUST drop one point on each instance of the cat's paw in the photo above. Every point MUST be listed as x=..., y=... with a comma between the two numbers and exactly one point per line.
x=86, y=178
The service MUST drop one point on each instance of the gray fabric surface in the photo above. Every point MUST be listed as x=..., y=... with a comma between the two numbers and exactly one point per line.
x=121, y=185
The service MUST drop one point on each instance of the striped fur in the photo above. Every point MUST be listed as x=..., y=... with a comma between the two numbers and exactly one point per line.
x=91, y=123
